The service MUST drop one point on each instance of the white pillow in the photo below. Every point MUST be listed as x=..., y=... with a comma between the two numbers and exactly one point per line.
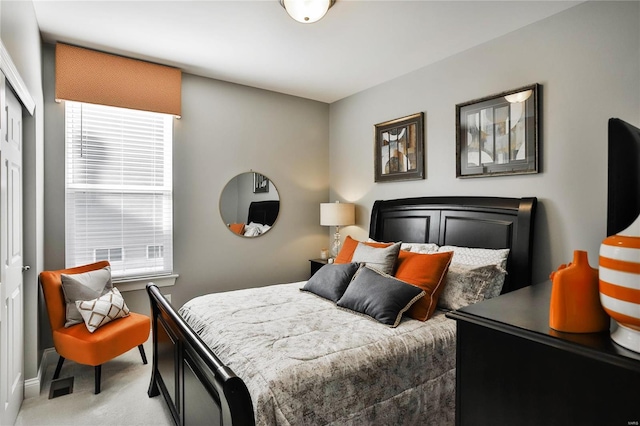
x=104, y=309
x=477, y=256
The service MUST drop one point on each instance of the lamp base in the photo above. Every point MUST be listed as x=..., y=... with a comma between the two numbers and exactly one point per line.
x=627, y=337
x=335, y=244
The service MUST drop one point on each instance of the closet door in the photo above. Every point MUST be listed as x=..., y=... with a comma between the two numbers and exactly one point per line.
x=11, y=258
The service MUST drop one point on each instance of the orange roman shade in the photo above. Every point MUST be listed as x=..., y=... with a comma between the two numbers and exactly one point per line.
x=85, y=75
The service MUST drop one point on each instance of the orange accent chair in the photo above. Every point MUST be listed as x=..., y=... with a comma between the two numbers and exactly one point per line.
x=76, y=342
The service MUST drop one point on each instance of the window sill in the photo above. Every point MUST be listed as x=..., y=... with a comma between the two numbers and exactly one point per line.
x=131, y=284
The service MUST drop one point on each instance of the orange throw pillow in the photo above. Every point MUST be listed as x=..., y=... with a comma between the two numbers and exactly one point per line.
x=427, y=271
x=349, y=246
x=238, y=228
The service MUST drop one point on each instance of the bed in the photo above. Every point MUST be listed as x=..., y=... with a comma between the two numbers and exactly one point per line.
x=261, y=217
x=249, y=356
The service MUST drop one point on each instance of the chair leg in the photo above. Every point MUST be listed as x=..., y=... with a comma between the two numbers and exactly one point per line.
x=98, y=370
x=142, y=354
x=58, y=368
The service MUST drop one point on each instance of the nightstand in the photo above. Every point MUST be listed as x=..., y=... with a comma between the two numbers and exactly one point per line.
x=512, y=369
x=317, y=264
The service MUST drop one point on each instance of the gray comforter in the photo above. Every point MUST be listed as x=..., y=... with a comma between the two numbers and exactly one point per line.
x=307, y=362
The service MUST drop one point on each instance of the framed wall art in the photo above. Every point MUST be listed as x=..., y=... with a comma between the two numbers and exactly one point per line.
x=399, y=149
x=498, y=135
x=260, y=183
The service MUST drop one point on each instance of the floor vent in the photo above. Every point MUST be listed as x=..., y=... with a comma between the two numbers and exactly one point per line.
x=60, y=387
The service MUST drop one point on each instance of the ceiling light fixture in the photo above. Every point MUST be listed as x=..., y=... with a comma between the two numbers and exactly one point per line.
x=307, y=11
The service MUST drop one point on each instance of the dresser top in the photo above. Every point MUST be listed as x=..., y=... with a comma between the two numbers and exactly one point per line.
x=525, y=313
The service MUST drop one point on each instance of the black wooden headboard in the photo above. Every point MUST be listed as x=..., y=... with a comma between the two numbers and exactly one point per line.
x=263, y=212
x=479, y=222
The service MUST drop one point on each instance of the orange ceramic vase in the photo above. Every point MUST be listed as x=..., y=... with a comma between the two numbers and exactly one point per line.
x=575, y=299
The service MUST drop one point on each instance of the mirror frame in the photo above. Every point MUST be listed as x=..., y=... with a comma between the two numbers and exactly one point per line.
x=255, y=199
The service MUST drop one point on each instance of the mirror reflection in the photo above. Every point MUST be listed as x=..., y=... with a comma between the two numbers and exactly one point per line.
x=249, y=204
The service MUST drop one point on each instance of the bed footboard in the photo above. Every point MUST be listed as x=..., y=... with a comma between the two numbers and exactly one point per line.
x=197, y=386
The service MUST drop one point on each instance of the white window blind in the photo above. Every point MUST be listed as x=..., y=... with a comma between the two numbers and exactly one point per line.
x=119, y=200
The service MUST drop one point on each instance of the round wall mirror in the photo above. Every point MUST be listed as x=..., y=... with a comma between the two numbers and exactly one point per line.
x=249, y=204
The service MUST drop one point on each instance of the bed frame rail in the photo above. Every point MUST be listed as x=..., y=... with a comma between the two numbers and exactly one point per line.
x=198, y=387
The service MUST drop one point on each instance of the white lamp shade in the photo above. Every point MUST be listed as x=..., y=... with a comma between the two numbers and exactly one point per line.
x=337, y=214
x=519, y=97
x=306, y=11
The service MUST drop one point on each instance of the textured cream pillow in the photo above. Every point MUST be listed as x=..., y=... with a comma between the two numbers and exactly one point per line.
x=102, y=310
x=466, y=285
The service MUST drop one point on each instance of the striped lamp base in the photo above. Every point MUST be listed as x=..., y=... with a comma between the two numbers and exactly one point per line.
x=620, y=284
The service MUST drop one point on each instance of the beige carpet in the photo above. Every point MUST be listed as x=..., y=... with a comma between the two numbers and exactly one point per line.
x=123, y=398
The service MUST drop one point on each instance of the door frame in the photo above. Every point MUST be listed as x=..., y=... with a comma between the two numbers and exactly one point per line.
x=8, y=68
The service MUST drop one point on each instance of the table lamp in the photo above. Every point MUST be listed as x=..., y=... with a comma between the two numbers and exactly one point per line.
x=337, y=214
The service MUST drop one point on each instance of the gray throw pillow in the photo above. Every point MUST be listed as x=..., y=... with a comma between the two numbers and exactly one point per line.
x=331, y=280
x=379, y=296
x=85, y=286
x=382, y=259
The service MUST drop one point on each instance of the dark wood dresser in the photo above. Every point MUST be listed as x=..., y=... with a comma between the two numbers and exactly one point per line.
x=512, y=369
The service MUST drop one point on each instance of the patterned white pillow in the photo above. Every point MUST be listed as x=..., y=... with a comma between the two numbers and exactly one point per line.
x=478, y=256
x=422, y=248
x=104, y=309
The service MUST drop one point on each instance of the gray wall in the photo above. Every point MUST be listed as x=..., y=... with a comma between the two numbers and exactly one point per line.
x=587, y=59
x=588, y=62
x=225, y=129
x=21, y=37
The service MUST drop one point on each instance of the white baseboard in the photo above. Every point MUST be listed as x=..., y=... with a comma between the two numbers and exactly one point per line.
x=32, y=386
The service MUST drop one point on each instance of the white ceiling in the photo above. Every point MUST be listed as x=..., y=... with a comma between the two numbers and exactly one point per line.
x=358, y=44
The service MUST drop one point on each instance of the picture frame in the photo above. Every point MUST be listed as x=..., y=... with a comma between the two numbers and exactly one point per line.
x=399, y=149
x=498, y=134
x=260, y=183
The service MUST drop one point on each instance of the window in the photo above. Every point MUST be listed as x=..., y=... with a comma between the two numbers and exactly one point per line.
x=119, y=199
x=155, y=252
x=110, y=254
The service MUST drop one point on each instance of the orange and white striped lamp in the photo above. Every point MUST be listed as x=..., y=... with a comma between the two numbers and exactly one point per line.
x=620, y=284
